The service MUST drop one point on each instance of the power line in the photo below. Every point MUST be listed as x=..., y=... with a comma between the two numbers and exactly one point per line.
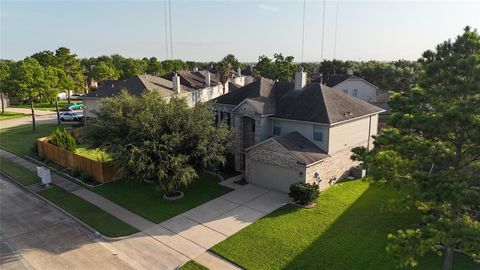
x=303, y=28
x=170, y=15
x=323, y=31
x=166, y=30
x=336, y=30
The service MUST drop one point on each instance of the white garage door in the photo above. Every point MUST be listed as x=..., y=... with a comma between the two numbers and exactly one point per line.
x=271, y=176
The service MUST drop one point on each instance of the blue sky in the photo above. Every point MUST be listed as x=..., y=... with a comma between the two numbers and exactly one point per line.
x=208, y=30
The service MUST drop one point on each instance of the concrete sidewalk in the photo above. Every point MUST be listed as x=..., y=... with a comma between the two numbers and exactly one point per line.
x=187, y=236
x=112, y=208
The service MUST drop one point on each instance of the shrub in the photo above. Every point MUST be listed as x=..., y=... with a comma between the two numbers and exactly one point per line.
x=304, y=193
x=63, y=139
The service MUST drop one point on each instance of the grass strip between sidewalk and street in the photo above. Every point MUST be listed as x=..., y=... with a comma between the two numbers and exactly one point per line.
x=22, y=175
x=95, y=217
x=193, y=265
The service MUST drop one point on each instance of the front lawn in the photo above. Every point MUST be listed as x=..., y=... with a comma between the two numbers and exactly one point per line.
x=11, y=115
x=21, y=140
x=17, y=172
x=347, y=229
x=46, y=106
x=144, y=200
x=98, y=219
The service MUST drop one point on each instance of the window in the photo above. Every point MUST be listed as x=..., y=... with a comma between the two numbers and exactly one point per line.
x=345, y=91
x=318, y=133
x=277, y=128
x=355, y=92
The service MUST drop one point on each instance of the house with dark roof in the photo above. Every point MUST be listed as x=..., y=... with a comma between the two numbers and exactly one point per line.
x=354, y=86
x=195, y=87
x=296, y=132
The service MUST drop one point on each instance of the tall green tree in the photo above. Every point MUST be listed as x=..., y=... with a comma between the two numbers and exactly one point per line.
x=72, y=66
x=104, y=71
x=280, y=68
x=27, y=81
x=227, y=67
x=5, y=67
x=159, y=141
x=46, y=58
x=154, y=67
x=432, y=152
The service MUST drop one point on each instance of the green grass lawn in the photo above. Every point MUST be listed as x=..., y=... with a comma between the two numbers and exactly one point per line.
x=46, y=106
x=95, y=154
x=193, y=265
x=11, y=115
x=21, y=174
x=98, y=219
x=144, y=200
x=347, y=229
x=20, y=140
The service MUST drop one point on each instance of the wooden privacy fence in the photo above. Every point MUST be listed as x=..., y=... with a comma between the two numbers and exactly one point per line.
x=99, y=171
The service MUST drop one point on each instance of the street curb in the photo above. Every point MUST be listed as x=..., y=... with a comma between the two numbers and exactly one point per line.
x=95, y=233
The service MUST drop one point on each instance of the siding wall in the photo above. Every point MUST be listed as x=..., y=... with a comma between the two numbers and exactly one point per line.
x=352, y=133
x=365, y=91
x=306, y=129
x=90, y=105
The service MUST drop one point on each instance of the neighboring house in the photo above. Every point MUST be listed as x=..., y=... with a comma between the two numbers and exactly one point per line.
x=288, y=133
x=351, y=85
x=237, y=80
x=205, y=85
x=137, y=85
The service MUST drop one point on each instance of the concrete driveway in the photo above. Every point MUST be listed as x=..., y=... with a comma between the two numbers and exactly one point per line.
x=35, y=235
x=200, y=228
x=188, y=236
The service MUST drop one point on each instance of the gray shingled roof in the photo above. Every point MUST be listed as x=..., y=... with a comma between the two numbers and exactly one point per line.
x=321, y=104
x=135, y=86
x=262, y=87
x=301, y=147
x=194, y=79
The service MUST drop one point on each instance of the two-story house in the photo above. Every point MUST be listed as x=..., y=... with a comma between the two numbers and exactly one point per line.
x=288, y=133
x=195, y=87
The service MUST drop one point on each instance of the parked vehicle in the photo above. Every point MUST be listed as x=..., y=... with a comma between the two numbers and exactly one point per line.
x=75, y=106
x=75, y=97
x=71, y=116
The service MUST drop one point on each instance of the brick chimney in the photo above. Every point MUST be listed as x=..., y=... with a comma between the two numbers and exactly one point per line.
x=176, y=83
x=350, y=72
x=300, y=79
x=239, y=71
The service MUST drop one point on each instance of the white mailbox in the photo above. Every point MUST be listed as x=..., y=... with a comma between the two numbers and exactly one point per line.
x=44, y=174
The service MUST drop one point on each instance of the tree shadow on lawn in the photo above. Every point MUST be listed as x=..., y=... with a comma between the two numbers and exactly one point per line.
x=146, y=200
x=358, y=238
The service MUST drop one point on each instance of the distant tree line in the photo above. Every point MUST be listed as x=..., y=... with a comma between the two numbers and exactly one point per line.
x=43, y=75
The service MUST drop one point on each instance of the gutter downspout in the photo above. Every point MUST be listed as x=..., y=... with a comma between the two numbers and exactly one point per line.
x=369, y=132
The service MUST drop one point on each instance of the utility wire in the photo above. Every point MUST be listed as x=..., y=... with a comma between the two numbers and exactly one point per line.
x=303, y=29
x=336, y=30
x=166, y=30
x=170, y=15
x=323, y=31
